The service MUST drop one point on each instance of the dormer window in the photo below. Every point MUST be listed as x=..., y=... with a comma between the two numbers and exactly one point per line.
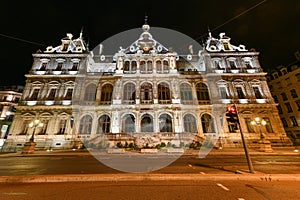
x=64, y=47
x=59, y=66
x=43, y=66
x=75, y=66
x=283, y=71
x=275, y=75
x=226, y=46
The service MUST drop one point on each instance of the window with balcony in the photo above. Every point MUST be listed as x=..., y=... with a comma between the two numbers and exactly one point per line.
x=240, y=92
x=106, y=94
x=186, y=93
x=103, y=124
x=164, y=93
x=202, y=93
x=85, y=126
x=257, y=92
x=35, y=93
x=129, y=93
x=90, y=93
x=146, y=93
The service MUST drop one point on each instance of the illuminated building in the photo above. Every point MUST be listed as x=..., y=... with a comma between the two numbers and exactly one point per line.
x=145, y=89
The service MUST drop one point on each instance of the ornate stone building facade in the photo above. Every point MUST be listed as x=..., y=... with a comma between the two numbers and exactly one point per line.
x=145, y=91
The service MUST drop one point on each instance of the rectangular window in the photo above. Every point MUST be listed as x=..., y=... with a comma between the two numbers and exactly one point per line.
x=223, y=93
x=294, y=121
x=298, y=76
x=240, y=93
x=59, y=66
x=35, y=94
x=44, y=128
x=268, y=125
x=294, y=93
x=284, y=122
x=279, y=109
x=232, y=64
x=75, y=67
x=283, y=96
x=62, y=126
x=275, y=99
x=298, y=104
x=43, y=66
x=52, y=94
x=250, y=127
x=69, y=93
x=288, y=107
x=248, y=64
x=257, y=92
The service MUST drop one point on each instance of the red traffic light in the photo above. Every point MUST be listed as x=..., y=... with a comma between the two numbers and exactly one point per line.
x=232, y=109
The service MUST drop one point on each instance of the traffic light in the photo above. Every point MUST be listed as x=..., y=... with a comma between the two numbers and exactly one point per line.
x=231, y=114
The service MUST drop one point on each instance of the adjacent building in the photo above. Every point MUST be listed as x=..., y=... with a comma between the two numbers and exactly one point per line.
x=284, y=85
x=146, y=91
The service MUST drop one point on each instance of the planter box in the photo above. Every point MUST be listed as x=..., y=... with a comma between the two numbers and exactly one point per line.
x=149, y=150
x=175, y=150
x=115, y=151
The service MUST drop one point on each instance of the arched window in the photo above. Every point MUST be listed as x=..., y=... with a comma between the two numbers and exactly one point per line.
x=164, y=93
x=126, y=66
x=129, y=93
x=190, y=124
x=147, y=123
x=106, y=94
x=186, y=93
x=202, y=93
x=85, y=126
x=165, y=68
x=146, y=93
x=142, y=66
x=90, y=93
x=133, y=65
x=158, y=66
x=165, y=123
x=207, y=124
x=103, y=124
x=128, y=124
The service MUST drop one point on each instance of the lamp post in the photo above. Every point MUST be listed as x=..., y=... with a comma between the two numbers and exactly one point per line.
x=265, y=145
x=35, y=123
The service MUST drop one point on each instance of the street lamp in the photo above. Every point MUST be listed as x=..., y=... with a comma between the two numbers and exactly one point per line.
x=35, y=123
x=265, y=145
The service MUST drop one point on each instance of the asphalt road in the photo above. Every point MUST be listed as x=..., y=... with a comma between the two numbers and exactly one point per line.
x=149, y=190
x=87, y=164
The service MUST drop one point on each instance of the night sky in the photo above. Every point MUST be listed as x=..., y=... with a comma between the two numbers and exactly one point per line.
x=270, y=26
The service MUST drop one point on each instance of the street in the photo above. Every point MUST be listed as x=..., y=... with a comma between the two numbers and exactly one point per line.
x=149, y=190
x=84, y=163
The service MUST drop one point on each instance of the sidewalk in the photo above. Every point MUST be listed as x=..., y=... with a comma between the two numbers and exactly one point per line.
x=293, y=151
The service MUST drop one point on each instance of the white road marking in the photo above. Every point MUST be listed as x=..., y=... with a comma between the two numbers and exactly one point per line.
x=241, y=199
x=14, y=193
x=202, y=173
x=222, y=186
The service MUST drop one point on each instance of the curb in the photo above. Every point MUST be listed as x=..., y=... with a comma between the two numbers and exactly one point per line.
x=147, y=177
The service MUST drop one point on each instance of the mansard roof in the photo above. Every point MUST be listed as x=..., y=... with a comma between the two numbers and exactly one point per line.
x=69, y=45
x=222, y=44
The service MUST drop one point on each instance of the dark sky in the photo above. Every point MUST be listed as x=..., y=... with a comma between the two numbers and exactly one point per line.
x=270, y=26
